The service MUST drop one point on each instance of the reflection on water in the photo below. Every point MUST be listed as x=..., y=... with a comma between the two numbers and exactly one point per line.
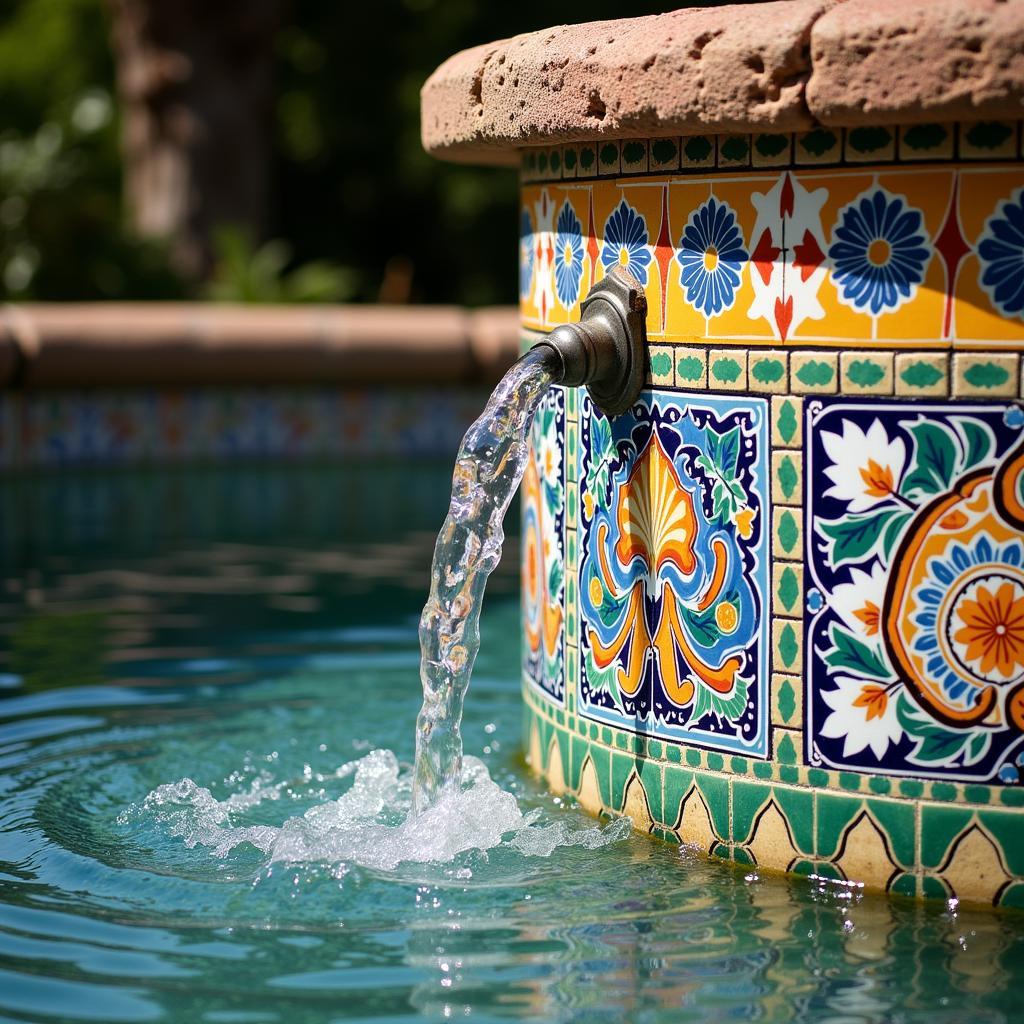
x=194, y=668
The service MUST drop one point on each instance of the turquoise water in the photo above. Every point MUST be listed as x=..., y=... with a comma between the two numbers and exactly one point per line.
x=253, y=630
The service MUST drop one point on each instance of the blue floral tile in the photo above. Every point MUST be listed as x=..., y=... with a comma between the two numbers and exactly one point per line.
x=915, y=651
x=673, y=571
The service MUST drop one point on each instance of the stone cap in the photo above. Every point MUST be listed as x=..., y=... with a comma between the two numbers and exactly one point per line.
x=136, y=344
x=781, y=66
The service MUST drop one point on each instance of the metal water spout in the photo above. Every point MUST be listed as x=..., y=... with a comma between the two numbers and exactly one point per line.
x=606, y=349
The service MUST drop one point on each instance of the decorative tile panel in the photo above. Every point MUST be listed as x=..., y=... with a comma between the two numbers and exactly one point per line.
x=673, y=578
x=543, y=557
x=915, y=588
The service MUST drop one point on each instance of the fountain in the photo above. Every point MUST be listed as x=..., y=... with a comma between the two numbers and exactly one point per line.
x=773, y=608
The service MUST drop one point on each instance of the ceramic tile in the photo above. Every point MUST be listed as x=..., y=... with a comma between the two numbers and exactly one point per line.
x=691, y=368
x=914, y=693
x=924, y=374
x=701, y=674
x=869, y=144
x=787, y=422
x=787, y=589
x=662, y=372
x=727, y=369
x=608, y=158
x=633, y=156
x=992, y=375
x=663, y=155
x=813, y=372
x=988, y=140
x=819, y=146
x=787, y=699
x=866, y=373
x=734, y=151
x=697, y=151
x=787, y=478
x=544, y=568
x=771, y=150
x=767, y=371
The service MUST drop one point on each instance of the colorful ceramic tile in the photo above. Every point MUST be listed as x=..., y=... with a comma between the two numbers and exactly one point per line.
x=819, y=146
x=922, y=374
x=663, y=155
x=915, y=578
x=988, y=140
x=869, y=144
x=697, y=151
x=543, y=584
x=866, y=373
x=673, y=570
x=990, y=375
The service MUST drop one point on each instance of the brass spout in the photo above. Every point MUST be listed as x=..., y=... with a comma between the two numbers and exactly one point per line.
x=606, y=349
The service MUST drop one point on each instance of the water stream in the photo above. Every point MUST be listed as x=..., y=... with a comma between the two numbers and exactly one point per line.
x=383, y=813
x=489, y=466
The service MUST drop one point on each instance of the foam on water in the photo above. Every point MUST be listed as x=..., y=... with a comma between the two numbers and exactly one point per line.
x=370, y=825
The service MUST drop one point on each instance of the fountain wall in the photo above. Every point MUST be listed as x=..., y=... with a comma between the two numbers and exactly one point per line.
x=776, y=611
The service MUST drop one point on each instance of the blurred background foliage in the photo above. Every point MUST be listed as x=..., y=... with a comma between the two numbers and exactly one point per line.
x=356, y=210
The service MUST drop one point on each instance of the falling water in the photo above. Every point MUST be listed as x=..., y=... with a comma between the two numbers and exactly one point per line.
x=488, y=468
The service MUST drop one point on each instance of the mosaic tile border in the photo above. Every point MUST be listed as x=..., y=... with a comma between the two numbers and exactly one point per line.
x=820, y=147
x=912, y=847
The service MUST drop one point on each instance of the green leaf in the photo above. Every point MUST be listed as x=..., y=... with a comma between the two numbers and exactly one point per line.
x=726, y=370
x=701, y=625
x=555, y=578
x=989, y=134
x=633, y=152
x=978, y=441
x=893, y=531
x=853, y=655
x=869, y=139
x=935, y=458
x=935, y=743
x=724, y=450
x=921, y=375
x=854, y=537
x=602, y=680
x=815, y=373
x=730, y=707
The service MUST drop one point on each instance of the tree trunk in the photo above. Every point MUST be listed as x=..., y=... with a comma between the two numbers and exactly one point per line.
x=195, y=79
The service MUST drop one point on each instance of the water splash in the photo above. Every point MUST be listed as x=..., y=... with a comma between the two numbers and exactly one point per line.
x=369, y=825
x=488, y=468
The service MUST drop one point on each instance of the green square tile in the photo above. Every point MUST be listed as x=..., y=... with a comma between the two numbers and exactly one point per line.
x=939, y=827
x=1007, y=827
x=798, y=807
x=715, y=791
x=650, y=773
x=677, y=783
x=621, y=769
x=834, y=813
x=899, y=821
x=747, y=799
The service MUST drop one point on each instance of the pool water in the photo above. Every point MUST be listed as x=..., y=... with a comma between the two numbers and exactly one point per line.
x=254, y=629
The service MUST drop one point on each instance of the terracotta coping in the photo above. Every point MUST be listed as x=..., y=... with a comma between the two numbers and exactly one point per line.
x=178, y=344
x=781, y=66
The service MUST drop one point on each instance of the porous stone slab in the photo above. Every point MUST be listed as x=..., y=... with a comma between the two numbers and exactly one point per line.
x=781, y=66
x=882, y=61
x=722, y=69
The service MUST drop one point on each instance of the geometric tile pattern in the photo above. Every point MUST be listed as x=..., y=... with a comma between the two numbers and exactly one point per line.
x=927, y=382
